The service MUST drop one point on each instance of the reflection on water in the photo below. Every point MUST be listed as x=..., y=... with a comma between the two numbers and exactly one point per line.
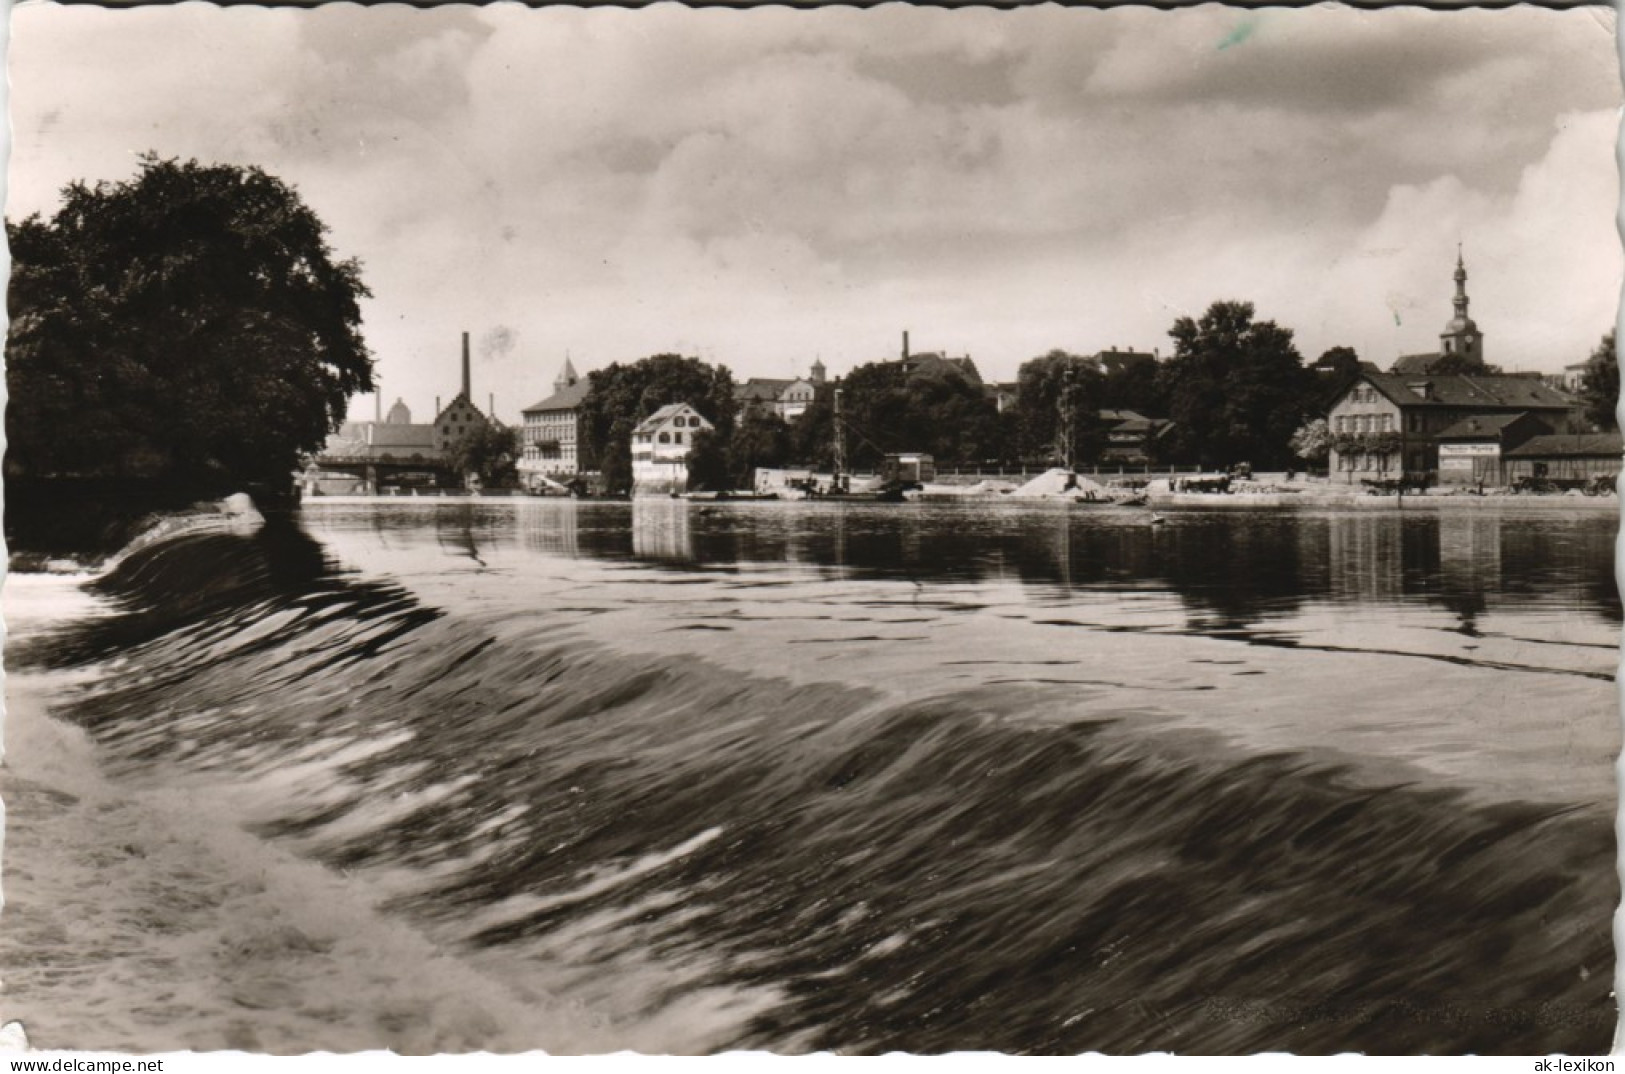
x=1231, y=568
x=864, y=777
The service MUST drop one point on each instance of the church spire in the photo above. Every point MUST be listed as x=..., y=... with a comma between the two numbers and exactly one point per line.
x=1461, y=336
x=567, y=376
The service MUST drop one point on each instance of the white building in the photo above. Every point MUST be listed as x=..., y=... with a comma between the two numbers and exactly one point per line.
x=552, y=428
x=660, y=447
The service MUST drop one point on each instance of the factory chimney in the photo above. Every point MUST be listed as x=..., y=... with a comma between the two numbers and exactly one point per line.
x=378, y=406
x=905, y=344
x=467, y=391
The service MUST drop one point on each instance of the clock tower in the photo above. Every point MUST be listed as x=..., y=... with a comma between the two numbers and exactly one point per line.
x=1461, y=336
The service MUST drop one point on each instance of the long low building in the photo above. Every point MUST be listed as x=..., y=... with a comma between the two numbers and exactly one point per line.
x=1566, y=457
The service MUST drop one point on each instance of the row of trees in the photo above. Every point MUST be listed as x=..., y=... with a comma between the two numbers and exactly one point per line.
x=1235, y=388
x=191, y=327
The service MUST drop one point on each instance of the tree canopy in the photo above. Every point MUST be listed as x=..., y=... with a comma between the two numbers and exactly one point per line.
x=620, y=396
x=933, y=408
x=189, y=325
x=1237, y=388
x=1599, y=385
x=1131, y=383
x=1058, y=403
x=487, y=449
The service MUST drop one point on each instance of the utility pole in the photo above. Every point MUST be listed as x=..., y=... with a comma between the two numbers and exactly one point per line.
x=840, y=441
x=1067, y=418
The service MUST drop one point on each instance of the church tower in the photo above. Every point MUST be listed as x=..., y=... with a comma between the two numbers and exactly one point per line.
x=1461, y=336
x=567, y=376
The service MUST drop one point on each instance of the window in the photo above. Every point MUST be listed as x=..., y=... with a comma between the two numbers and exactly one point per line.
x=677, y=438
x=665, y=438
x=1416, y=423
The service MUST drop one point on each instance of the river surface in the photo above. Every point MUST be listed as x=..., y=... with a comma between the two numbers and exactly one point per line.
x=586, y=776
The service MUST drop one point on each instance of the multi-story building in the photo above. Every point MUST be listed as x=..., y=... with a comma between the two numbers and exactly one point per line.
x=1385, y=425
x=660, y=447
x=552, y=429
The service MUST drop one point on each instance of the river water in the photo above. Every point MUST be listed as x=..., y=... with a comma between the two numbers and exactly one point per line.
x=586, y=776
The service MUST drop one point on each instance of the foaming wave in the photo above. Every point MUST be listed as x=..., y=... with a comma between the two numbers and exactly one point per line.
x=819, y=866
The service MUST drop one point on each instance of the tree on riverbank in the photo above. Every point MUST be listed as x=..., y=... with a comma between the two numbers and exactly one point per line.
x=1058, y=402
x=188, y=328
x=1599, y=385
x=619, y=396
x=1237, y=388
x=487, y=449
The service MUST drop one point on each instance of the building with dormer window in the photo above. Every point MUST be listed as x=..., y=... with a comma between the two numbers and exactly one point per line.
x=660, y=446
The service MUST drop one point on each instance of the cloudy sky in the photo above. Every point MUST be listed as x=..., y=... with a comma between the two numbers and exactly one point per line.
x=768, y=187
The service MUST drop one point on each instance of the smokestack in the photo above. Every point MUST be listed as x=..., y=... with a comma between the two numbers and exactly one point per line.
x=467, y=392
x=437, y=406
x=905, y=344
x=492, y=413
x=378, y=406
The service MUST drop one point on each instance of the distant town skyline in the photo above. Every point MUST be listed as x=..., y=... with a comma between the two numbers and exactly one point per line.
x=762, y=189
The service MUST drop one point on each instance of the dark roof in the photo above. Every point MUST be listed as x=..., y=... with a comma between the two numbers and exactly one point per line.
x=1608, y=444
x=966, y=366
x=1410, y=364
x=963, y=365
x=566, y=398
x=393, y=436
x=1470, y=390
x=665, y=414
x=1121, y=415
x=1480, y=426
x=350, y=442
x=760, y=389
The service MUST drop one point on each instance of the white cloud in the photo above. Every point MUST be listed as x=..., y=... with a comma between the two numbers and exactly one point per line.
x=766, y=186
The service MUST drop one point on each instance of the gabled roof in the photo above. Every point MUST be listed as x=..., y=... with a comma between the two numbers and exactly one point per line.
x=1606, y=444
x=760, y=389
x=394, y=436
x=352, y=441
x=457, y=399
x=1469, y=390
x=935, y=360
x=665, y=414
x=1411, y=364
x=1480, y=426
x=567, y=398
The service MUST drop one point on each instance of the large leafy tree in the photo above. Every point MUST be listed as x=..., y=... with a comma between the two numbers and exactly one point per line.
x=189, y=326
x=1131, y=383
x=1599, y=385
x=1058, y=400
x=933, y=408
x=620, y=396
x=1237, y=388
x=487, y=449
x=759, y=440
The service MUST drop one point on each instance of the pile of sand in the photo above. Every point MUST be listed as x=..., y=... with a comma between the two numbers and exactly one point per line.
x=1059, y=482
